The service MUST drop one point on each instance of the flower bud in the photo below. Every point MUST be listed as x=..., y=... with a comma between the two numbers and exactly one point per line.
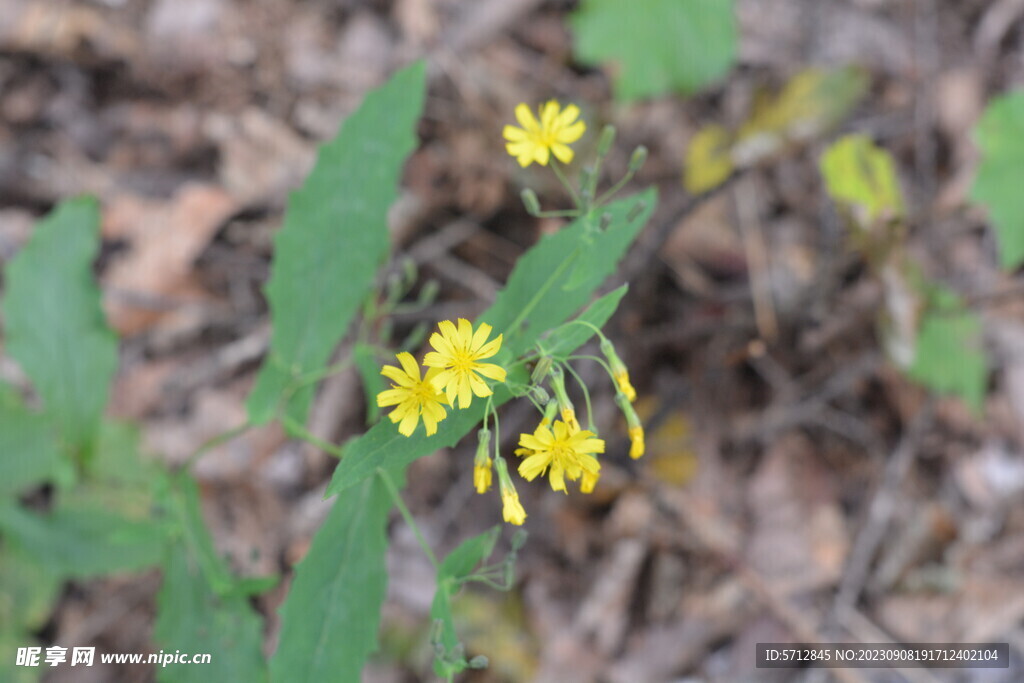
x=605, y=142
x=637, y=160
x=482, y=462
x=512, y=510
x=636, y=430
x=619, y=372
x=531, y=202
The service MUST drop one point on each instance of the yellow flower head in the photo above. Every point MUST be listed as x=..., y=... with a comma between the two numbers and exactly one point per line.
x=511, y=509
x=565, y=450
x=636, y=441
x=537, y=141
x=482, y=476
x=625, y=386
x=455, y=355
x=414, y=397
x=589, y=481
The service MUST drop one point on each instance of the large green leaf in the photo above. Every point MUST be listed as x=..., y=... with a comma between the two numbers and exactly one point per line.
x=79, y=540
x=330, y=620
x=333, y=240
x=1000, y=135
x=193, y=618
x=654, y=47
x=567, y=339
x=28, y=449
x=551, y=281
x=55, y=327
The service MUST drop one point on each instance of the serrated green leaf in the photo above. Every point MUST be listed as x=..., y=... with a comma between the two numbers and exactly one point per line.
x=193, y=618
x=564, y=340
x=655, y=47
x=82, y=541
x=537, y=283
x=1000, y=135
x=29, y=453
x=461, y=562
x=365, y=359
x=949, y=357
x=54, y=325
x=862, y=177
x=333, y=240
x=330, y=620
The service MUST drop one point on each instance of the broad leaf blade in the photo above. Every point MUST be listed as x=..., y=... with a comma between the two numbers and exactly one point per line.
x=55, y=327
x=657, y=46
x=330, y=620
x=28, y=449
x=333, y=240
x=193, y=618
x=553, y=300
x=565, y=340
x=1000, y=135
x=862, y=177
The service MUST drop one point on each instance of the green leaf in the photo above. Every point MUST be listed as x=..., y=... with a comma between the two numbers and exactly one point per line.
x=30, y=590
x=1000, y=135
x=82, y=541
x=330, y=620
x=656, y=47
x=949, y=357
x=564, y=340
x=54, y=324
x=538, y=284
x=365, y=358
x=28, y=450
x=454, y=569
x=862, y=178
x=193, y=618
x=333, y=240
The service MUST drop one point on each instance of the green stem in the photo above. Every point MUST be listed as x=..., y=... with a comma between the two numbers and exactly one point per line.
x=586, y=396
x=615, y=188
x=295, y=429
x=221, y=438
x=565, y=182
x=389, y=484
x=532, y=304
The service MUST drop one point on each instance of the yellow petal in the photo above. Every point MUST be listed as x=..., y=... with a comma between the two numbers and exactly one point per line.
x=490, y=348
x=572, y=133
x=397, y=376
x=513, y=134
x=465, y=334
x=541, y=155
x=391, y=397
x=409, y=365
x=562, y=152
x=525, y=118
x=548, y=115
x=408, y=425
x=491, y=371
x=568, y=115
x=480, y=336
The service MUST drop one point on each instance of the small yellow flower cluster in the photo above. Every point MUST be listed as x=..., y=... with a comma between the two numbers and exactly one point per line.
x=453, y=372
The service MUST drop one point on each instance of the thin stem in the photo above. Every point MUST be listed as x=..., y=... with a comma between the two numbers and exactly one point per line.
x=407, y=516
x=568, y=186
x=616, y=187
x=586, y=395
x=295, y=429
x=532, y=304
x=596, y=359
x=212, y=443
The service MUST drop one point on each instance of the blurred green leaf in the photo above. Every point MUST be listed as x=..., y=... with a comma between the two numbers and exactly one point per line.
x=28, y=450
x=564, y=340
x=330, y=620
x=55, y=327
x=862, y=178
x=193, y=618
x=654, y=47
x=539, y=282
x=333, y=240
x=368, y=366
x=1000, y=135
x=454, y=569
x=949, y=357
x=29, y=592
x=82, y=541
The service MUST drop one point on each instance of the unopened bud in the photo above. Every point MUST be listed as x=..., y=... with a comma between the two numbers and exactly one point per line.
x=479, y=662
x=531, y=202
x=607, y=139
x=637, y=160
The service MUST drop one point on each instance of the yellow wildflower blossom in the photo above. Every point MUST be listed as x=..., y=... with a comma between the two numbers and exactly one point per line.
x=415, y=397
x=482, y=476
x=511, y=509
x=636, y=442
x=619, y=372
x=589, y=481
x=564, y=450
x=537, y=141
x=625, y=386
x=456, y=354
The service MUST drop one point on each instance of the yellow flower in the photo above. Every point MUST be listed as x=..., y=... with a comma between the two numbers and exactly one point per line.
x=566, y=451
x=511, y=509
x=636, y=440
x=456, y=352
x=589, y=481
x=622, y=379
x=569, y=418
x=482, y=477
x=537, y=141
x=414, y=397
